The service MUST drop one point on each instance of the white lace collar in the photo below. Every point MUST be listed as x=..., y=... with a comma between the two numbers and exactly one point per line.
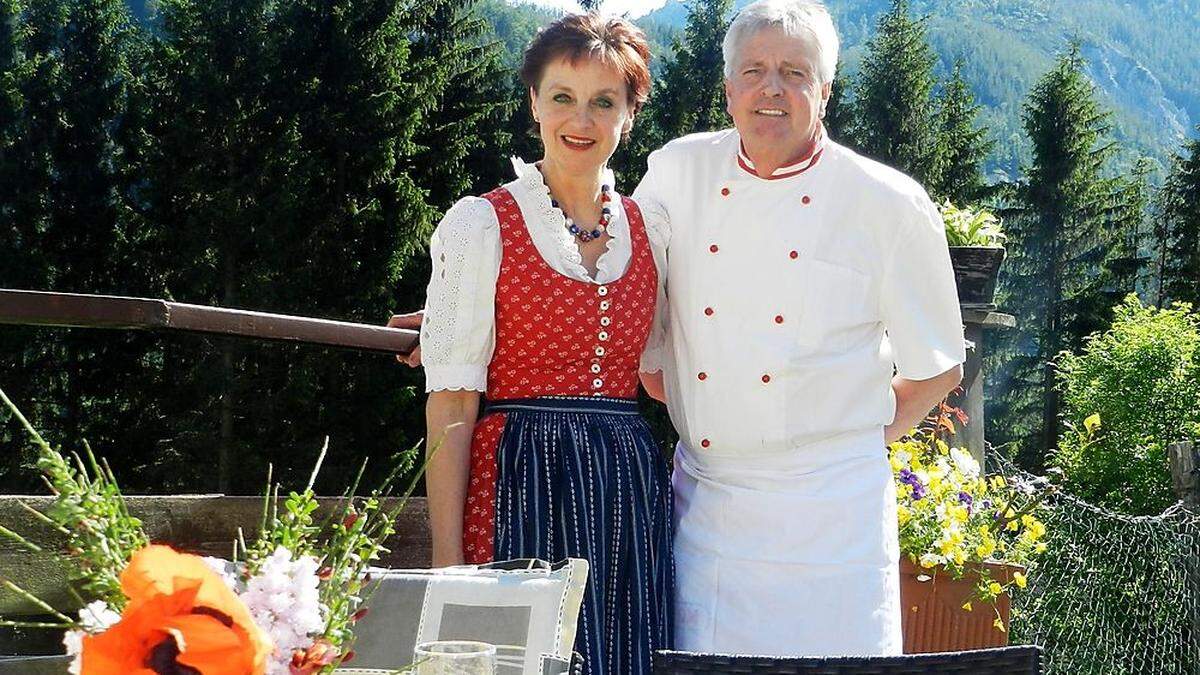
x=547, y=223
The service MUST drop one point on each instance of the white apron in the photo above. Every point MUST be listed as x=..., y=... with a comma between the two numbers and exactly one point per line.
x=788, y=554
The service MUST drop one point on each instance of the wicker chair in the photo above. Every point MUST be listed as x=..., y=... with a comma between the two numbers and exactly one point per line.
x=1004, y=661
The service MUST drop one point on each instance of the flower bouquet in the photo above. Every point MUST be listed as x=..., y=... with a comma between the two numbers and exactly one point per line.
x=285, y=604
x=956, y=521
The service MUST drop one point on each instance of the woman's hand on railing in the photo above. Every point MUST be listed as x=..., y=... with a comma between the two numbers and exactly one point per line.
x=411, y=321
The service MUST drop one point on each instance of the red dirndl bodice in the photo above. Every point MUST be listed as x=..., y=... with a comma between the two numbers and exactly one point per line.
x=555, y=336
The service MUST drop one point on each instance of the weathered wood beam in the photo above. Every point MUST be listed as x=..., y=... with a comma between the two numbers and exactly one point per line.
x=977, y=321
x=73, y=310
x=1185, y=472
x=204, y=524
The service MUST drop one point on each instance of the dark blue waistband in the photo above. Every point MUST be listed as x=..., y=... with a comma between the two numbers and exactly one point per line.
x=569, y=404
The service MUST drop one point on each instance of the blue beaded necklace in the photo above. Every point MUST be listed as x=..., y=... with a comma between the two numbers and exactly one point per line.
x=581, y=234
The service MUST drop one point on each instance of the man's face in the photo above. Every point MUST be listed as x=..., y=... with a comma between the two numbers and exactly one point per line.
x=774, y=91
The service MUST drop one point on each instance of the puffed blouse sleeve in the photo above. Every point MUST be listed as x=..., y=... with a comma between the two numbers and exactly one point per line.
x=458, y=334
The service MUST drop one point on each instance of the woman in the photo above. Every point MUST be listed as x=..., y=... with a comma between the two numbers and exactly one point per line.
x=543, y=296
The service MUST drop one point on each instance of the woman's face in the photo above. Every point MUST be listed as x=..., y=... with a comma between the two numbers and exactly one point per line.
x=581, y=110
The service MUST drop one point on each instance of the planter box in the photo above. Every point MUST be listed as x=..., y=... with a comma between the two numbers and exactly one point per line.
x=975, y=271
x=933, y=618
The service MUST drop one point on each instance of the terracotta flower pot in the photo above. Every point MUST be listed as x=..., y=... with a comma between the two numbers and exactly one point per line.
x=976, y=269
x=933, y=616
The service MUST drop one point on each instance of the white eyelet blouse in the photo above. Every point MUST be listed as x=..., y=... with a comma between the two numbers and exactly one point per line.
x=458, y=334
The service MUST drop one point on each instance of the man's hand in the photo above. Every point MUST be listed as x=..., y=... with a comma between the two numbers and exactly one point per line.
x=411, y=321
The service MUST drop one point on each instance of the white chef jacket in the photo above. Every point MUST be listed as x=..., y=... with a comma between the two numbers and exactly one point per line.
x=791, y=300
x=458, y=334
x=790, y=303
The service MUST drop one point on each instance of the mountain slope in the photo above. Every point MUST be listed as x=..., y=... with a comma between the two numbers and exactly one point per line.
x=1141, y=54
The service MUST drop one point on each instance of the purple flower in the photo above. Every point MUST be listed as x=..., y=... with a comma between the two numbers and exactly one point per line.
x=966, y=499
x=910, y=479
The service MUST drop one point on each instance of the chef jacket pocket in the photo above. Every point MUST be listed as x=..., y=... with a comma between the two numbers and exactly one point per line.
x=836, y=299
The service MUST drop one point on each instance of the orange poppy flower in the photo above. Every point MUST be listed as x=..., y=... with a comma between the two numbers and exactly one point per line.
x=181, y=619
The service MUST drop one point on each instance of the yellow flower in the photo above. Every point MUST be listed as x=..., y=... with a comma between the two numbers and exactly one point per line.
x=1020, y=579
x=967, y=605
x=995, y=588
x=999, y=625
x=1037, y=530
x=987, y=548
x=946, y=546
x=1040, y=547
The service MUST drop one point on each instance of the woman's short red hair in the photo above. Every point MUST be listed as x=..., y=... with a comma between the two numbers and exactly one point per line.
x=613, y=41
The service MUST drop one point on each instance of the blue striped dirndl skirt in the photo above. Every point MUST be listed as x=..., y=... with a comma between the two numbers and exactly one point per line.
x=582, y=477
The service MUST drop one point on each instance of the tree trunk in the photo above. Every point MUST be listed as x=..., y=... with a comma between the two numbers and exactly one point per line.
x=225, y=448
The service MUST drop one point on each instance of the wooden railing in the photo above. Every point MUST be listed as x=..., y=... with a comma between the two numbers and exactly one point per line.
x=39, y=308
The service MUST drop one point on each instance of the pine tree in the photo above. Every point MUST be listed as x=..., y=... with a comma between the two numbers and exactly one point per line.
x=12, y=109
x=894, y=115
x=87, y=210
x=1066, y=221
x=33, y=86
x=1179, y=243
x=463, y=146
x=213, y=183
x=10, y=63
x=690, y=95
x=962, y=145
x=298, y=180
x=65, y=205
x=839, y=112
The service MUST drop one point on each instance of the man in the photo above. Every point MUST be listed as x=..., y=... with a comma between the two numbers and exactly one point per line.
x=810, y=316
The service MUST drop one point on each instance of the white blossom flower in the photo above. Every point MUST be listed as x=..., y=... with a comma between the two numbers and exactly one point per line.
x=284, y=600
x=965, y=463
x=224, y=569
x=95, y=618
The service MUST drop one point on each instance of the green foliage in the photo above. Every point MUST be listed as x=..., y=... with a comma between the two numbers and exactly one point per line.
x=971, y=227
x=1179, y=236
x=345, y=542
x=1142, y=55
x=102, y=537
x=88, y=508
x=285, y=156
x=839, y=112
x=963, y=146
x=1128, y=394
x=459, y=144
x=689, y=97
x=893, y=106
x=1063, y=221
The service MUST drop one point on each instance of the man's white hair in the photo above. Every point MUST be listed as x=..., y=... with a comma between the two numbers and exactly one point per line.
x=804, y=19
